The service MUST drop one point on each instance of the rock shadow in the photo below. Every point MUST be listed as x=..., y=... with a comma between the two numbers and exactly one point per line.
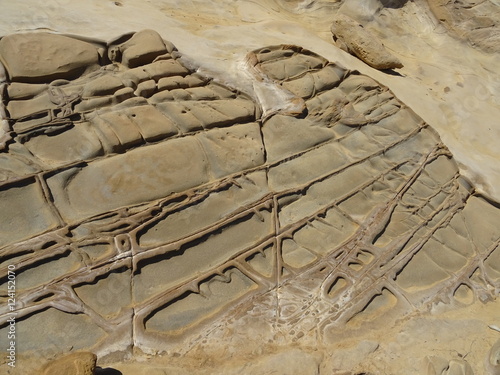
x=106, y=371
x=392, y=72
x=393, y=4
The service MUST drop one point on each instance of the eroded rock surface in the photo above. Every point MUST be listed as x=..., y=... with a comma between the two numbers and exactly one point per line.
x=170, y=216
x=439, y=365
x=43, y=57
x=476, y=21
x=492, y=362
x=80, y=363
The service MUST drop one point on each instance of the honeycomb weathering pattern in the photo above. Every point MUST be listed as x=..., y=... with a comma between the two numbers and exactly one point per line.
x=146, y=206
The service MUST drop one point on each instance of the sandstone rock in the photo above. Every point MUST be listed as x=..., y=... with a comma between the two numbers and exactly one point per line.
x=4, y=134
x=151, y=124
x=165, y=68
x=82, y=143
x=23, y=108
x=179, y=82
x=492, y=362
x=155, y=71
x=477, y=22
x=364, y=12
x=43, y=57
x=277, y=129
x=142, y=48
x=187, y=222
x=123, y=94
x=363, y=44
x=440, y=366
x=80, y=363
x=19, y=201
x=3, y=73
x=18, y=90
x=296, y=361
x=146, y=88
x=104, y=85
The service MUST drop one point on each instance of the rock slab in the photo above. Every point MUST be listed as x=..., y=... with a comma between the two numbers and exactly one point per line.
x=43, y=57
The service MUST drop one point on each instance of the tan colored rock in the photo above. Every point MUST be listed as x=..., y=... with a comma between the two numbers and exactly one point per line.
x=189, y=223
x=190, y=115
x=362, y=43
x=142, y=48
x=439, y=366
x=82, y=143
x=80, y=363
x=3, y=73
x=18, y=90
x=230, y=150
x=104, y=85
x=492, y=362
x=164, y=68
x=276, y=134
x=43, y=57
x=165, y=169
x=151, y=124
x=23, y=108
x=475, y=21
x=364, y=11
x=5, y=135
x=179, y=82
x=146, y=88
x=16, y=219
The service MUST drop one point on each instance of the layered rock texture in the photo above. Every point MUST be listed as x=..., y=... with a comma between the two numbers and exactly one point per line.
x=152, y=212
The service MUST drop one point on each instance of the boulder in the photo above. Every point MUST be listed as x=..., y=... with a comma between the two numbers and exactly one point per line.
x=351, y=36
